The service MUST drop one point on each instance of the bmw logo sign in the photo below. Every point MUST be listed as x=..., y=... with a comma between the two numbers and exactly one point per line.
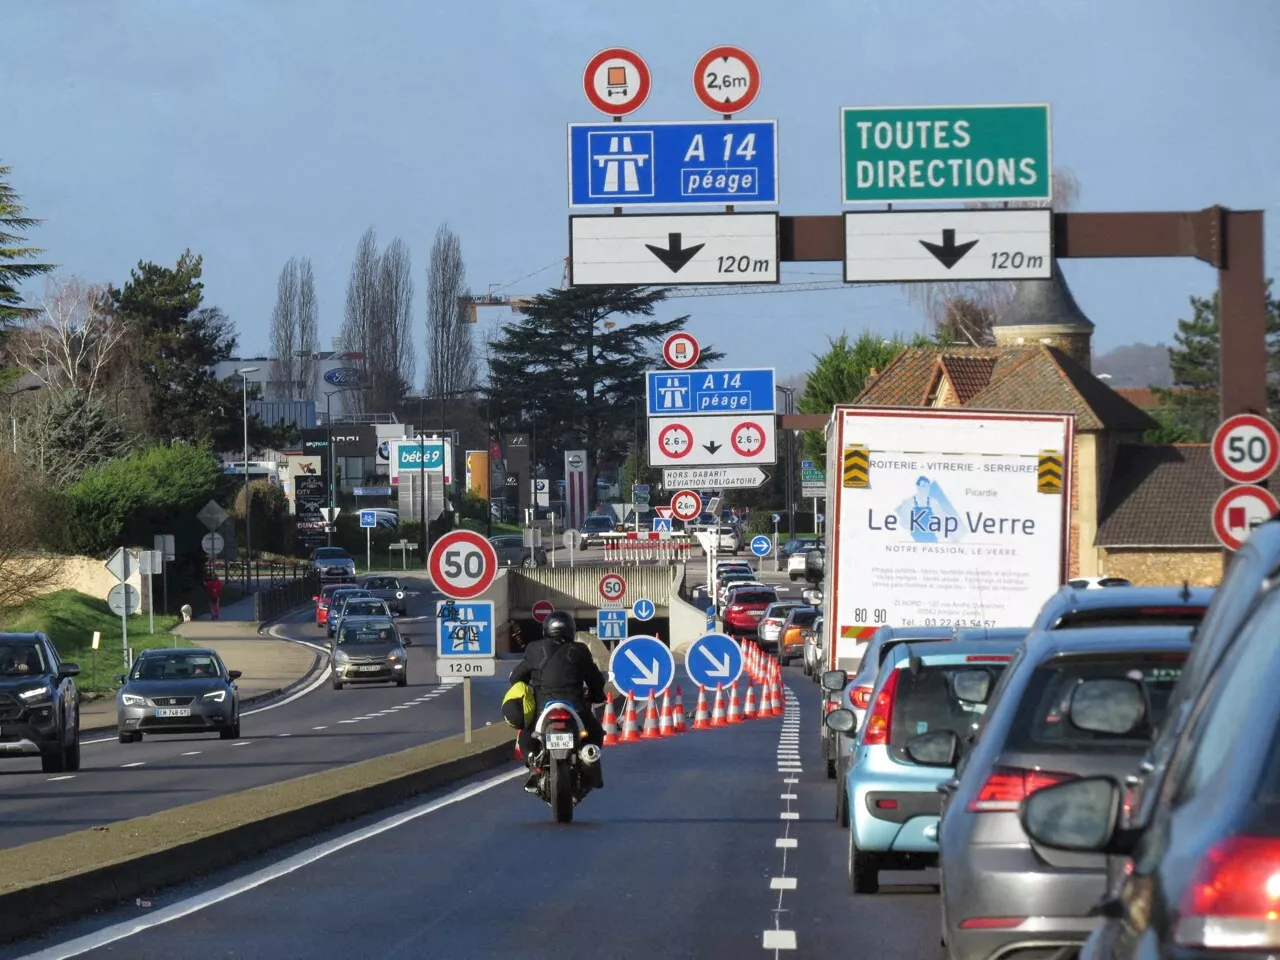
x=384, y=450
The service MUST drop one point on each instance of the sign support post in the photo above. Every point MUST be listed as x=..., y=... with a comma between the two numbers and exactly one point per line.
x=466, y=709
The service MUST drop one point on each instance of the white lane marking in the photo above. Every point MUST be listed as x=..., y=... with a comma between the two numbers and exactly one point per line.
x=184, y=908
x=284, y=734
x=782, y=883
x=779, y=940
x=786, y=843
x=791, y=780
x=191, y=753
x=136, y=763
x=789, y=815
x=789, y=796
x=65, y=776
x=348, y=721
x=242, y=743
x=322, y=727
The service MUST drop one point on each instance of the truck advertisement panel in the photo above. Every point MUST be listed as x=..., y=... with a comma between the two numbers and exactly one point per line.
x=951, y=518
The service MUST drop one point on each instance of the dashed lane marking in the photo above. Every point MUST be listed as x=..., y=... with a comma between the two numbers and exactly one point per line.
x=65, y=776
x=136, y=763
x=789, y=815
x=786, y=843
x=192, y=753
x=779, y=940
x=782, y=883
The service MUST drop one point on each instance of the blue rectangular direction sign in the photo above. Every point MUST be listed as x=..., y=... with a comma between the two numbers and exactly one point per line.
x=673, y=164
x=710, y=391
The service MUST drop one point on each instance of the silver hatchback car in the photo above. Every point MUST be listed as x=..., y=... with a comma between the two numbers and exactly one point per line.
x=1065, y=709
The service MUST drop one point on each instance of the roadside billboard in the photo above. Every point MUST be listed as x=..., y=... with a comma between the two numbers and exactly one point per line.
x=478, y=473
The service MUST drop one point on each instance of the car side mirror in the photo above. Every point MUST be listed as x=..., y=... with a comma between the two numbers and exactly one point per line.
x=834, y=680
x=407, y=641
x=119, y=678
x=842, y=721
x=1079, y=815
x=812, y=597
x=938, y=748
x=1107, y=705
x=68, y=670
x=235, y=674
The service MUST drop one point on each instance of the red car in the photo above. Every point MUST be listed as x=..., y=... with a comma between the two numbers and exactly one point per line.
x=745, y=608
x=322, y=601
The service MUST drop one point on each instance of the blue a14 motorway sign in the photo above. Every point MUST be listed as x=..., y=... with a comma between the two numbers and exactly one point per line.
x=464, y=628
x=673, y=164
x=710, y=391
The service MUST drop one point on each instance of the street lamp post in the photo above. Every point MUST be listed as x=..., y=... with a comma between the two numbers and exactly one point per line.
x=789, y=407
x=12, y=419
x=248, y=493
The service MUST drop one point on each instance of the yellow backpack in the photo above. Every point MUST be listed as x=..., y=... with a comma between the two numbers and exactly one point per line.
x=519, y=692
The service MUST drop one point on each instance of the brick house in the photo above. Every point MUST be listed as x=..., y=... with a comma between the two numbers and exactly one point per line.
x=1137, y=511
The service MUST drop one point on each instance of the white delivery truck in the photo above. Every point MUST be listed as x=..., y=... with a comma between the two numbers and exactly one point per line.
x=941, y=517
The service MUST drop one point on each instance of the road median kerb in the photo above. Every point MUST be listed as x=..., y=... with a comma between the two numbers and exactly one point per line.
x=53, y=881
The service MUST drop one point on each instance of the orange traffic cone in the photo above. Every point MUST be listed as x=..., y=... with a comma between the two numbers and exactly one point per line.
x=701, y=718
x=610, y=723
x=677, y=714
x=630, y=725
x=666, y=723
x=749, y=710
x=779, y=707
x=735, y=705
x=717, y=711
x=650, y=721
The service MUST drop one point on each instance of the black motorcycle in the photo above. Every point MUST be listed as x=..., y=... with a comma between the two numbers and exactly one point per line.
x=562, y=756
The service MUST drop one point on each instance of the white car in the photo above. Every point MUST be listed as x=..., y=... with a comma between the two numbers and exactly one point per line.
x=726, y=539
x=795, y=566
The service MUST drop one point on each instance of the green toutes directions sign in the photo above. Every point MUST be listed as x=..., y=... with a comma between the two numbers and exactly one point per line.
x=946, y=154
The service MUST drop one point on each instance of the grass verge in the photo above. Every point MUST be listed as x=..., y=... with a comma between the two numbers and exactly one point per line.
x=70, y=619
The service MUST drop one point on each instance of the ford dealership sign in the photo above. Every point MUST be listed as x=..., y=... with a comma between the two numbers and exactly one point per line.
x=342, y=376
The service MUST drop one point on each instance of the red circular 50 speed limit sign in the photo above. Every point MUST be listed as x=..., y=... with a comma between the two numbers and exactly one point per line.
x=1246, y=448
x=612, y=587
x=462, y=565
x=686, y=505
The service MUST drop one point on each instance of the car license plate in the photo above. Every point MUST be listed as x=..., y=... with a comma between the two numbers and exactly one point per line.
x=371, y=668
x=559, y=741
x=756, y=614
x=173, y=711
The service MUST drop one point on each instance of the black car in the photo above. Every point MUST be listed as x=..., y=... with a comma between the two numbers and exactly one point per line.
x=389, y=589
x=592, y=528
x=39, y=704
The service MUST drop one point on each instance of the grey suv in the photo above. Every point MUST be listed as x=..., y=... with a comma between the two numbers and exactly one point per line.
x=39, y=703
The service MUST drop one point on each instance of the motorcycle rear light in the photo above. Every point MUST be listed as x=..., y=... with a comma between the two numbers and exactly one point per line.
x=559, y=715
x=861, y=697
x=991, y=923
x=880, y=718
x=1007, y=787
x=1233, y=900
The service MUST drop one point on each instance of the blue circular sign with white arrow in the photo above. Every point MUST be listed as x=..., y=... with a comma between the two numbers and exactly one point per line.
x=761, y=545
x=642, y=666
x=713, y=659
x=643, y=609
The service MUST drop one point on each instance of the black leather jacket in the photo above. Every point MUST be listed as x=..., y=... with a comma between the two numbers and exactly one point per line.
x=561, y=670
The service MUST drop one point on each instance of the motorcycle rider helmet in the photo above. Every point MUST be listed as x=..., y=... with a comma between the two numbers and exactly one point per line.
x=559, y=626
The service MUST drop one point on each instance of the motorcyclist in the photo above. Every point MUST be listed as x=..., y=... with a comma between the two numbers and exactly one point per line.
x=557, y=668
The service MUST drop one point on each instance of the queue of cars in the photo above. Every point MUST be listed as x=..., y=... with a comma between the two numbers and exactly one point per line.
x=1104, y=783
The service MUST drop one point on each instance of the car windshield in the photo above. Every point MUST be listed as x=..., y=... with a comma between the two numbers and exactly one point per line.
x=754, y=596
x=20, y=658
x=176, y=666
x=331, y=553
x=1130, y=616
x=597, y=524
x=363, y=607
x=367, y=633
x=925, y=703
x=1043, y=721
x=382, y=583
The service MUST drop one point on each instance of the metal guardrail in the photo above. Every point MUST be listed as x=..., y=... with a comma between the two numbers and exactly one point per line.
x=580, y=586
x=270, y=603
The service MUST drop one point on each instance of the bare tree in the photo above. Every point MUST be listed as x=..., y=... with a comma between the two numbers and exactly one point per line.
x=390, y=355
x=26, y=571
x=451, y=362
x=308, y=330
x=362, y=303
x=966, y=309
x=72, y=339
x=283, y=377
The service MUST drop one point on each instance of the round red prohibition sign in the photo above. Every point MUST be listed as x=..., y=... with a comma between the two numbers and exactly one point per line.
x=681, y=351
x=726, y=79
x=1246, y=448
x=612, y=587
x=616, y=81
x=543, y=609
x=686, y=505
x=675, y=441
x=1239, y=510
x=462, y=564
x=747, y=439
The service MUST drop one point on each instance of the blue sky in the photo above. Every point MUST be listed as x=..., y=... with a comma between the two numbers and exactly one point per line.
x=256, y=130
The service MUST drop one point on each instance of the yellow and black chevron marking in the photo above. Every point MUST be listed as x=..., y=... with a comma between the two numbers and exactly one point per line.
x=857, y=463
x=1049, y=474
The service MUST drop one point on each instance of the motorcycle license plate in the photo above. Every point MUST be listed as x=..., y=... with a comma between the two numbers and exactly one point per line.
x=559, y=741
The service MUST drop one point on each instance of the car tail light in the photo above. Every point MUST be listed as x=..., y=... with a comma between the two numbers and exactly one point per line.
x=1007, y=787
x=861, y=697
x=991, y=923
x=832, y=706
x=881, y=717
x=1233, y=901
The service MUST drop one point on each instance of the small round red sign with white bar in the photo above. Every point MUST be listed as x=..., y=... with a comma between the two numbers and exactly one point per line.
x=612, y=587
x=726, y=79
x=616, y=81
x=686, y=505
x=1239, y=510
x=543, y=609
x=1246, y=448
x=680, y=350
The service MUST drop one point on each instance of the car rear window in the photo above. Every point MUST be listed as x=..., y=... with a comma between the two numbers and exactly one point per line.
x=1042, y=722
x=926, y=703
x=1178, y=616
x=754, y=596
x=804, y=618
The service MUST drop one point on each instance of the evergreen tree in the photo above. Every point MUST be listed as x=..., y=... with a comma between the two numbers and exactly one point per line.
x=16, y=259
x=70, y=433
x=572, y=368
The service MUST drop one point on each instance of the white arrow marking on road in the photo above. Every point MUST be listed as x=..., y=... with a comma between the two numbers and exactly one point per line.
x=721, y=666
x=648, y=674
